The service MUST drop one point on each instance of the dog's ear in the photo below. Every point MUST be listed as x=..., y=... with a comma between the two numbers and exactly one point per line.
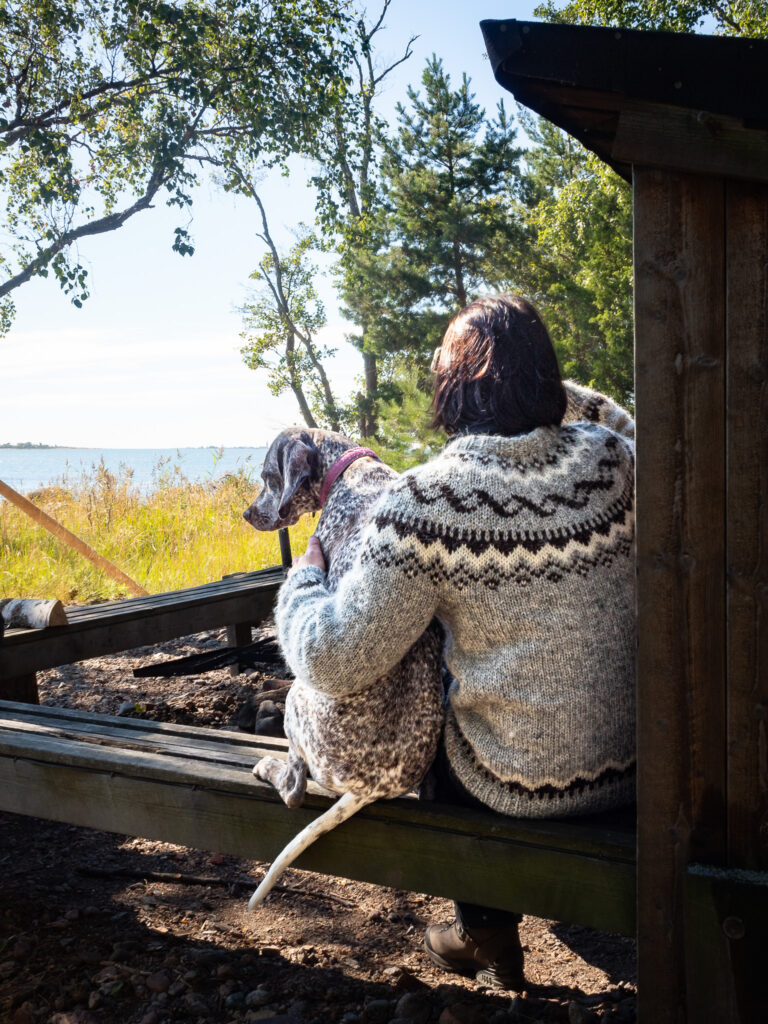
x=300, y=469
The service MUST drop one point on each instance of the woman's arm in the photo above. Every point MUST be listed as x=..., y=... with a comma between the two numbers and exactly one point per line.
x=341, y=641
x=584, y=404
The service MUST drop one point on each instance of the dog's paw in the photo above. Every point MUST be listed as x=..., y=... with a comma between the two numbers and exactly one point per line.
x=266, y=769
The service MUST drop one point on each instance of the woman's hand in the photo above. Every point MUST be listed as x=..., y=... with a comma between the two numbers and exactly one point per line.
x=312, y=556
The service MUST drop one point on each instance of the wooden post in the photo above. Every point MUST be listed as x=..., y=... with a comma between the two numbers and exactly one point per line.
x=63, y=534
x=747, y=554
x=680, y=395
x=285, y=548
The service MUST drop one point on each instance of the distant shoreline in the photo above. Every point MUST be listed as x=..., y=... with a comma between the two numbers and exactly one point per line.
x=28, y=446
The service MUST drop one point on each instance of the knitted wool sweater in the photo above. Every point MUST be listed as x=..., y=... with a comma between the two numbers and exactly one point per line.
x=523, y=548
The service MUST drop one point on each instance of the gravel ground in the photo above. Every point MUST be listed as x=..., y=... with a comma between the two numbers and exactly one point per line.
x=93, y=931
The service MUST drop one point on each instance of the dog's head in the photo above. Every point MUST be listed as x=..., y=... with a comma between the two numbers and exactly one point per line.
x=292, y=475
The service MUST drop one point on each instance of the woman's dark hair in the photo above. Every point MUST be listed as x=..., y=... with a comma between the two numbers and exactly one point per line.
x=496, y=371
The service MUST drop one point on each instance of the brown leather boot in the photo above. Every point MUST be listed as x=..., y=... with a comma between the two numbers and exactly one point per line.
x=493, y=956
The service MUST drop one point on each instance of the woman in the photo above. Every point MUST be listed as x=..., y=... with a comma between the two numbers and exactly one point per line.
x=519, y=538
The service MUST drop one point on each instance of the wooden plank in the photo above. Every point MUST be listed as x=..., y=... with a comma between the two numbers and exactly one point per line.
x=403, y=843
x=679, y=354
x=188, y=597
x=726, y=911
x=238, y=635
x=20, y=688
x=95, y=636
x=658, y=135
x=747, y=327
x=29, y=729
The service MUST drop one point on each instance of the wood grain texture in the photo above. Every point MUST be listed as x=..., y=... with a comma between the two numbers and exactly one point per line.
x=119, y=626
x=726, y=911
x=680, y=395
x=52, y=766
x=658, y=135
x=747, y=256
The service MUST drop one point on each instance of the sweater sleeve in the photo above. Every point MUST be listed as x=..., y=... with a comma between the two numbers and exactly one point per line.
x=341, y=641
x=594, y=407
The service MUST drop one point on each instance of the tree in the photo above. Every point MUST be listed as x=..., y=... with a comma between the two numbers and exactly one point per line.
x=450, y=177
x=448, y=216
x=731, y=17
x=107, y=106
x=577, y=265
x=281, y=324
x=349, y=196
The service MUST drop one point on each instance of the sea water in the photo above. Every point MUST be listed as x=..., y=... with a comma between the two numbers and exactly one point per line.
x=28, y=469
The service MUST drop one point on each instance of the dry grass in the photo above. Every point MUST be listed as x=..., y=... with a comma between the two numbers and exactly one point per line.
x=178, y=535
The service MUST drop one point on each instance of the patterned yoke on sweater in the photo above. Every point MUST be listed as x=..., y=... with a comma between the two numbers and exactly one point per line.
x=523, y=547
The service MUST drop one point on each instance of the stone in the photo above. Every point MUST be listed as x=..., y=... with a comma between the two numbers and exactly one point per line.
x=22, y=948
x=258, y=997
x=462, y=1013
x=377, y=1011
x=268, y=1017
x=25, y=1014
x=158, y=982
x=415, y=1007
x=579, y=1014
x=402, y=979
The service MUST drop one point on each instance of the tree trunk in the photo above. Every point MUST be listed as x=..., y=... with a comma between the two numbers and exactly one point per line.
x=370, y=368
x=296, y=388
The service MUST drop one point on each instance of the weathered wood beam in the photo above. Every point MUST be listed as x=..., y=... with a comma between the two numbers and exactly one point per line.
x=105, y=629
x=680, y=396
x=194, y=786
x=725, y=915
x=657, y=135
x=747, y=554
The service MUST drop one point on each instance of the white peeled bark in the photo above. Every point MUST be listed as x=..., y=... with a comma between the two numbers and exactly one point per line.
x=31, y=613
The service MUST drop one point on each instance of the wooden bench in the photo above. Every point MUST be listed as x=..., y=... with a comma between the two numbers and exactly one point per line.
x=194, y=787
x=99, y=629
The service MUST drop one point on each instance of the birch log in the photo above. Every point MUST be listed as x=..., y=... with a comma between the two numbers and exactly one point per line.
x=31, y=613
x=44, y=520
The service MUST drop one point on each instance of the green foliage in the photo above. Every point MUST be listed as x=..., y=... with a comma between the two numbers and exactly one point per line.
x=444, y=216
x=281, y=323
x=349, y=200
x=105, y=106
x=579, y=251
x=737, y=17
x=406, y=436
x=577, y=261
x=450, y=174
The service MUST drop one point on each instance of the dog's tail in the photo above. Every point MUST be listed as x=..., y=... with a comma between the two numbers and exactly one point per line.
x=344, y=808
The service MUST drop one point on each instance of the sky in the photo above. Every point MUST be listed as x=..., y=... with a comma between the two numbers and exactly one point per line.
x=152, y=359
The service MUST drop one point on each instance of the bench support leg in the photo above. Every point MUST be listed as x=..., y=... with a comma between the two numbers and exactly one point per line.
x=238, y=635
x=21, y=688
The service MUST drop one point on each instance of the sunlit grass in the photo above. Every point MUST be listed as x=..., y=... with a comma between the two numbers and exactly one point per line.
x=178, y=534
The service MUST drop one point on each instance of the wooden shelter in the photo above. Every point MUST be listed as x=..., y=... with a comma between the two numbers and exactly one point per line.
x=685, y=118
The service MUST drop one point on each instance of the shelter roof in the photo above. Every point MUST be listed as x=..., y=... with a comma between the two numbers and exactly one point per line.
x=693, y=102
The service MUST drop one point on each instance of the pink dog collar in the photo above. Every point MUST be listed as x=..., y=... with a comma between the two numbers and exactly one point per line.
x=340, y=465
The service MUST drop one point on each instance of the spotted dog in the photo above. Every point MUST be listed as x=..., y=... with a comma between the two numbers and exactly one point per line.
x=338, y=739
